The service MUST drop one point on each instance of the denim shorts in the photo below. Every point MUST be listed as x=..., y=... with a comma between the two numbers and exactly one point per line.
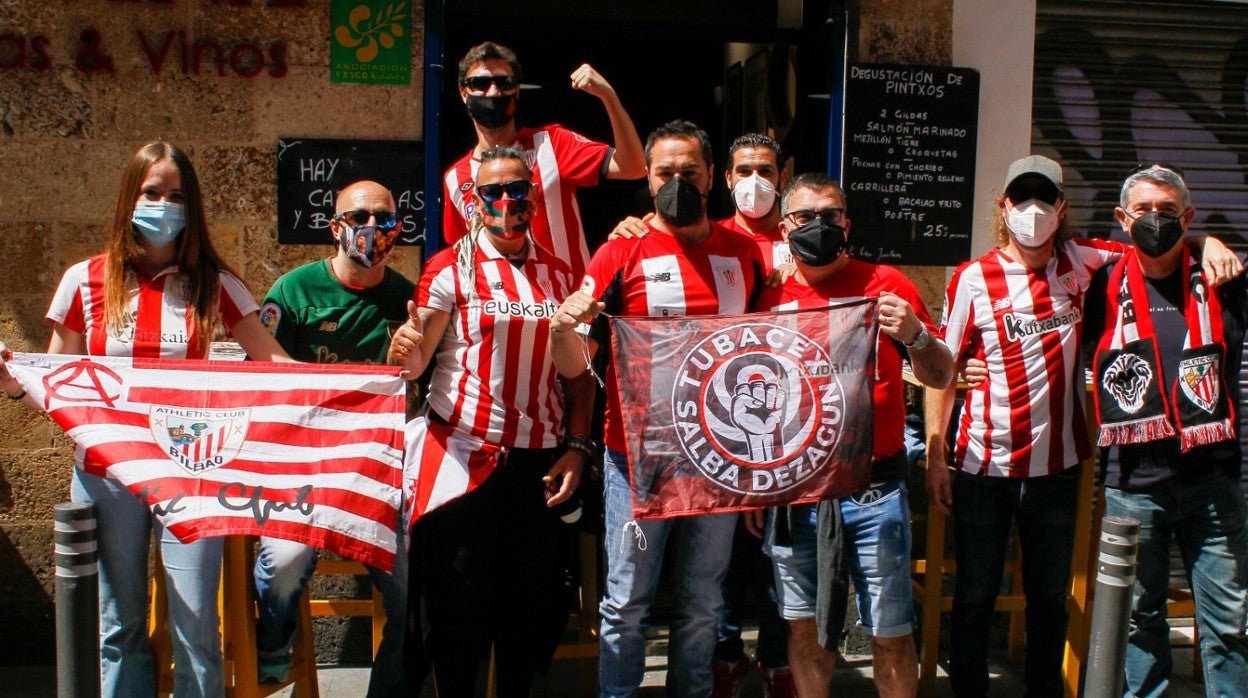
x=877, y=525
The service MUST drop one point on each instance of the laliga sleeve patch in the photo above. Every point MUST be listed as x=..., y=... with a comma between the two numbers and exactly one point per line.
x=270, y=316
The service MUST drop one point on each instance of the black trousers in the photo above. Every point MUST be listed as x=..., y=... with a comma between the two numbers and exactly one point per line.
x=487, y=569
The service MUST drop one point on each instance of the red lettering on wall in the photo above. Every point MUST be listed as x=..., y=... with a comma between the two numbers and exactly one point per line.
x=157, y=60
x=245, y=58
x=20, y=53
x=277, y=54
x=201, y=47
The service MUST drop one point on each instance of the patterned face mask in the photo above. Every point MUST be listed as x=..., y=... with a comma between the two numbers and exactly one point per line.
x=507, y=218
x=367, y=245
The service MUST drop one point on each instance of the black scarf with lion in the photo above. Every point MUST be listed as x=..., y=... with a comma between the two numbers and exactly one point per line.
x=1132, y=399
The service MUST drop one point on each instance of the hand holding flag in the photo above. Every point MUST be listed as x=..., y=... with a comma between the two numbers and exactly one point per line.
x=575, y=309
x=12, y=389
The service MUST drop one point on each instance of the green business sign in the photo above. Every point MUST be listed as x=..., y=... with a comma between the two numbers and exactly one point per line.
x=371, y=42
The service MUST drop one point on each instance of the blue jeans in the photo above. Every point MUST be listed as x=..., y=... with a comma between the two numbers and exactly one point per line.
x=283, y=569
x=634, y=550
x=877, y=531
x=750, y=574
x=1044, y=510
x=877, y=521
x=1206, y=515
x=192, y=575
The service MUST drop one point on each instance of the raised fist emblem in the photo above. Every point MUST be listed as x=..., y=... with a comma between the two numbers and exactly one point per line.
x=757, y=409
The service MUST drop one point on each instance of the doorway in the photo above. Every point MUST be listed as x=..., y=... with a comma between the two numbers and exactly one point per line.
x=666, y=61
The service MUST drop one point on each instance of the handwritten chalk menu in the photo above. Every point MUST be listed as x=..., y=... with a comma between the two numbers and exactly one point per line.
x=311, y=171
x=909, y=162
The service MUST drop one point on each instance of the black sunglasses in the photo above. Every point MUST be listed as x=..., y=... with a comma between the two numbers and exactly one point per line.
x=1163, y=165
x=481, y=83
x=1025, y=189
x=517, y=189
x=386, y=220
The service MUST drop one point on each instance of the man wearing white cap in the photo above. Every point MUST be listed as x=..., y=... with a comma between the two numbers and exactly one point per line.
x=1022, y=435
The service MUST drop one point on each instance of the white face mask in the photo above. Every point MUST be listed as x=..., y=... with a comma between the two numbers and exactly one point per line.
x=754, y=196
x=1032, y=222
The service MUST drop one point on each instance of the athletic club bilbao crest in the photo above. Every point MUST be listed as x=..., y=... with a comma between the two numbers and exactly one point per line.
x=1198, y=377
x=1069, y=284
x=199, y=440
x=757, y=407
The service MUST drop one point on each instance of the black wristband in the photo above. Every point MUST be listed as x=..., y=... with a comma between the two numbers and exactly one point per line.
x=19, y=396
x=585, y=447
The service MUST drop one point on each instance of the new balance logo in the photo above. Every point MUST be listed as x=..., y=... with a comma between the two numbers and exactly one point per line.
x=328, y=326
x=660, y=277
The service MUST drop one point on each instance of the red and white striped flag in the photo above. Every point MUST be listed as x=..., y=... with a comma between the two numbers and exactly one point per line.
x=442, y=464
x=306, y=452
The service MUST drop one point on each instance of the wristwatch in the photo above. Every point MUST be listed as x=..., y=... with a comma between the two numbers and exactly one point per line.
x=920, y=341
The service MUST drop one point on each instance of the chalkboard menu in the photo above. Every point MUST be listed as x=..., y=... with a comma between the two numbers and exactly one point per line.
x=909, y=162
x=311, y=171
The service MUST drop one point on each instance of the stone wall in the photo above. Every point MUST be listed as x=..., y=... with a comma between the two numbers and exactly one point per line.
x=74, y=106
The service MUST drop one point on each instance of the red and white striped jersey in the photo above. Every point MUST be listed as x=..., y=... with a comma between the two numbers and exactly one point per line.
x=562, y=162
x=856, y=279
x=442, y=463
x=771, y=243
x=657, y=275
x=494, y=377
x=159, y=323
x=1027, y=419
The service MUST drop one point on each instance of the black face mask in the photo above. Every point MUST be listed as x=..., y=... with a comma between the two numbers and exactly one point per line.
x=491, y=112
x=818, y=243
x=1156, y=233
x=679, y=202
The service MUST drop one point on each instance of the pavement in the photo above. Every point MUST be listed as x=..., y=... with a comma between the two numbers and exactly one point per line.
x=852, y=679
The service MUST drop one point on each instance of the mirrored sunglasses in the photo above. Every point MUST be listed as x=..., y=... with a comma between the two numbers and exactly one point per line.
x=517, y=189
x=386, y=220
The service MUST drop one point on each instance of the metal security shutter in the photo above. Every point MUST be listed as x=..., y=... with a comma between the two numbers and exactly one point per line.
x=1120, y=83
